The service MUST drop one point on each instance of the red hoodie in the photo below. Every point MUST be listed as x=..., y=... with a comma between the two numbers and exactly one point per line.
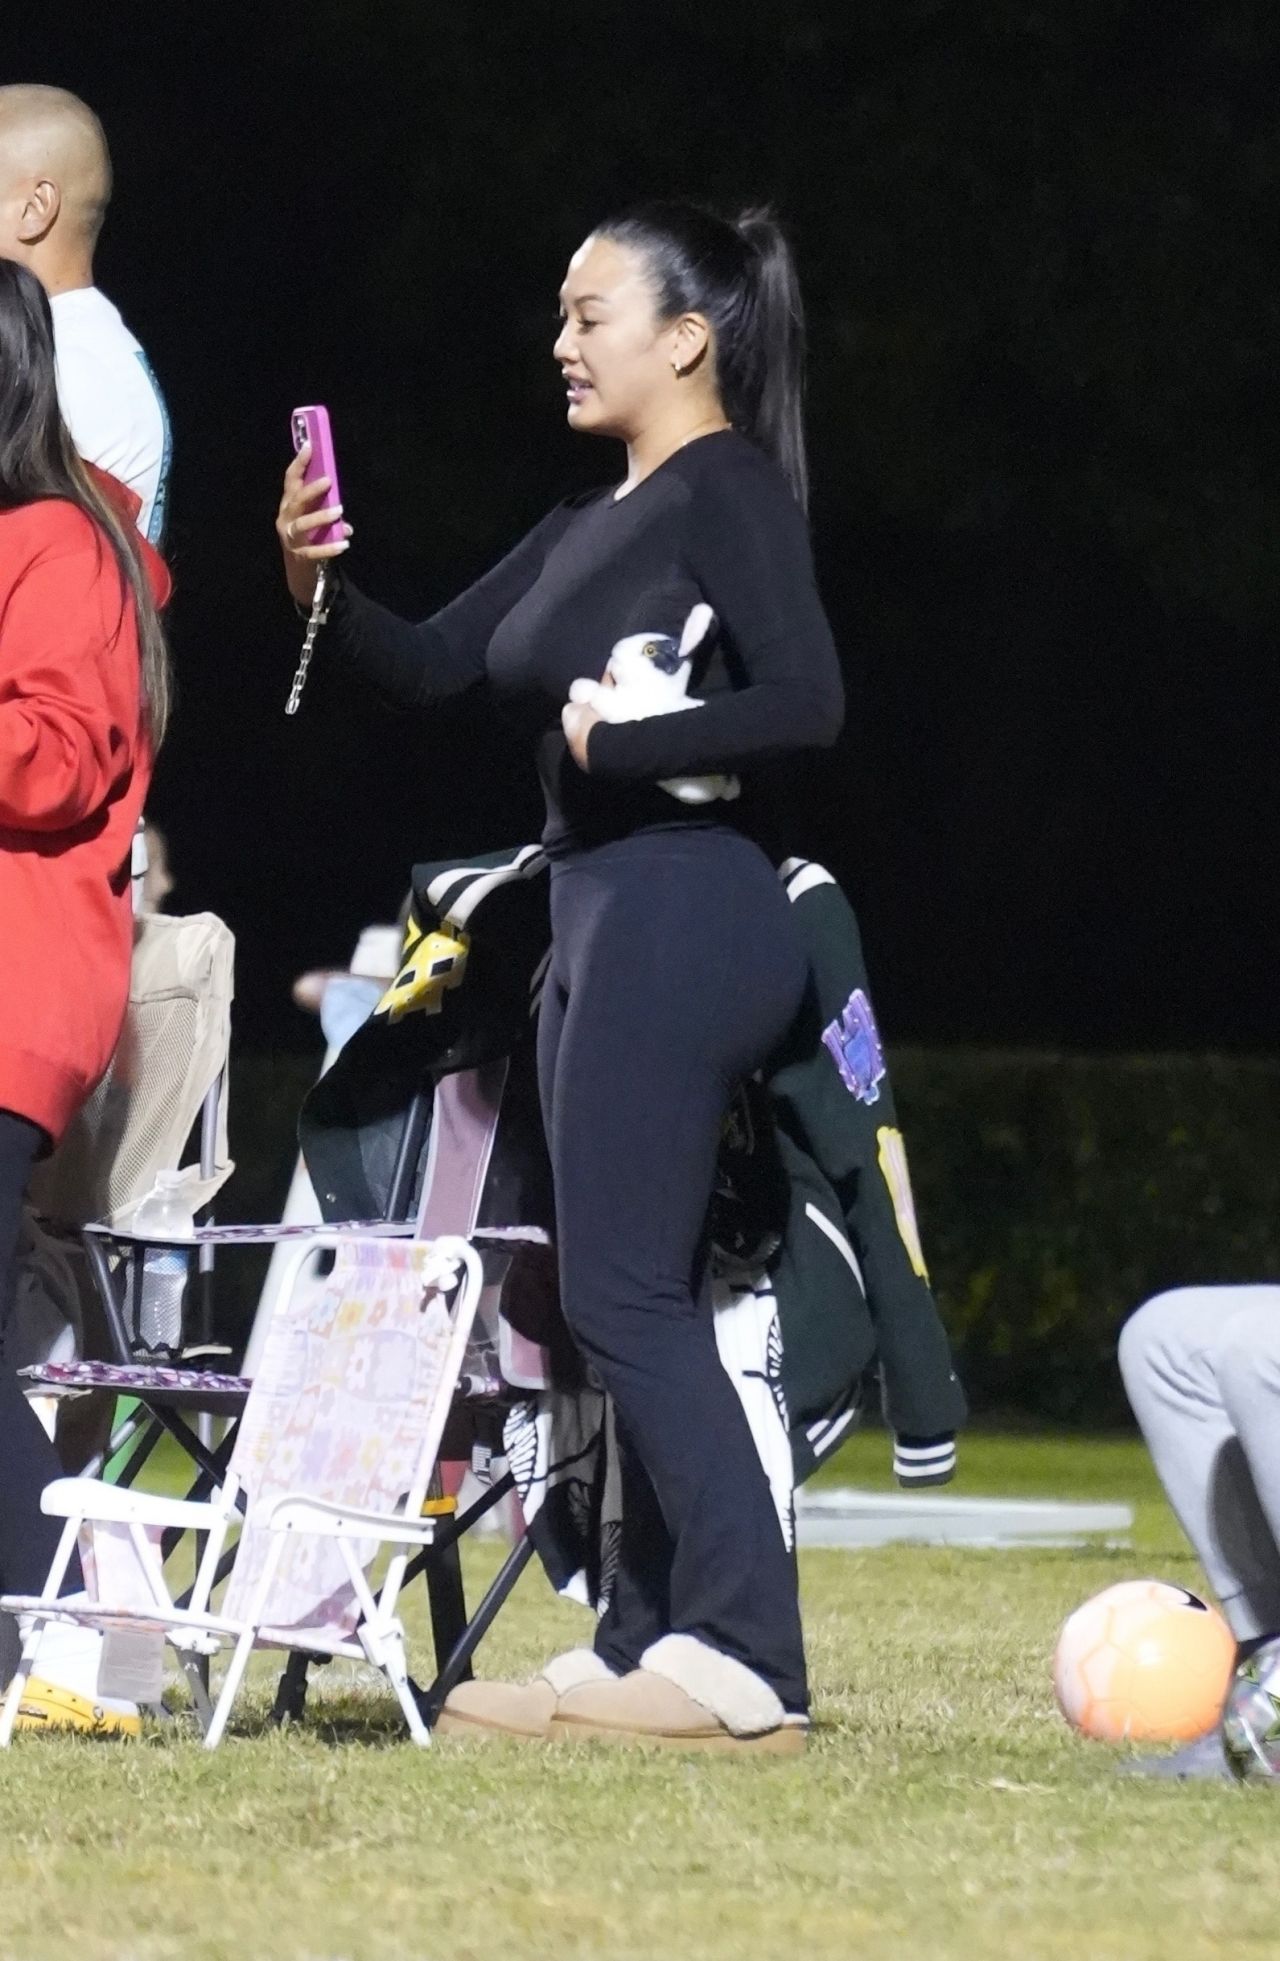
x=75, y=765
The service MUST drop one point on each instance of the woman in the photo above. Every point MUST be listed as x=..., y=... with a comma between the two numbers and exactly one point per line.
x=675, y=967
x=84, y=693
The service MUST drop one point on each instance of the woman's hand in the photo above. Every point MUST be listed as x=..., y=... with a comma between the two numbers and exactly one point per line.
x=577, y=721
x=302, y=511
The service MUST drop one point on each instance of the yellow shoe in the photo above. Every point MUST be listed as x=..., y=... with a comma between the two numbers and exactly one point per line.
x=47, y=1706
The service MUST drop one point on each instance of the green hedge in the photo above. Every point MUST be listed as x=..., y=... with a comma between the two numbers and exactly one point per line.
x=1055, y=1193
x=1058, y=1192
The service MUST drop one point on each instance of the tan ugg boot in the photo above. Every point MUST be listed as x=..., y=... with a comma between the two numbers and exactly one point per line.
x=683, y=1696
x=520, y=1709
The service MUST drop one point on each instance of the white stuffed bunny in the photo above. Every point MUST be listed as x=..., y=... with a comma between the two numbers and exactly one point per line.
x=650, y=673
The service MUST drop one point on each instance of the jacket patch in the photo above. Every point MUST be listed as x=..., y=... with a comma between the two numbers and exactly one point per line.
x=430, y=964
x=854, y=1042
x=893, y=1163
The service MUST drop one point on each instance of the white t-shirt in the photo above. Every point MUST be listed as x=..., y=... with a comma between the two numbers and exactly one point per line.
x=111, y=401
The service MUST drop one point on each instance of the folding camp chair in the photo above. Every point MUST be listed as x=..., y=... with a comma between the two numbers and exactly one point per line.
x=518, y=1344
x=332, y=1461
x=509, y=1352
x=167, y=1077
x=456, y=1119
x=168, y=1073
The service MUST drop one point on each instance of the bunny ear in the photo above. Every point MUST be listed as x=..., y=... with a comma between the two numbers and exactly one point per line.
x=699, y=624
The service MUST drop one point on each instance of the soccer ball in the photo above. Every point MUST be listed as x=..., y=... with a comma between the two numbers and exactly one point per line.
x=1143, y=1661
x=1251, y=1718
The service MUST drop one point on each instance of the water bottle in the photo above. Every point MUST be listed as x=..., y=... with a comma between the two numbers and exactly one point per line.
x=165, y=1213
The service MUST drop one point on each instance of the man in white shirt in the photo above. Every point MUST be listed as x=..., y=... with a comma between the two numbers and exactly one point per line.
x=55, y=185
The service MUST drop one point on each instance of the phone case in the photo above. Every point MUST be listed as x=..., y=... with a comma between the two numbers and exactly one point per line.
x=312, y=425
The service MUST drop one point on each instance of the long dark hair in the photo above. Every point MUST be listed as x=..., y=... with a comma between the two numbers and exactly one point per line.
x=38, y=460
x=740, y=273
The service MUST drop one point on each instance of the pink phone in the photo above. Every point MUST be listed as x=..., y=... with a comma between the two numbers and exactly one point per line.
x=312, y=425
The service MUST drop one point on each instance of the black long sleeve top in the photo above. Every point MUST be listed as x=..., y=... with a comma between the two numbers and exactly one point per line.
x=715, y=522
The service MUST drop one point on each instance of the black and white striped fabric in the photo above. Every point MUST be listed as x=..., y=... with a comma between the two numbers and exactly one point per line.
x=924, y=1460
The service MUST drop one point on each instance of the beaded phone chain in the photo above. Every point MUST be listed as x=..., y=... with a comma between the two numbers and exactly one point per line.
x=320, y=603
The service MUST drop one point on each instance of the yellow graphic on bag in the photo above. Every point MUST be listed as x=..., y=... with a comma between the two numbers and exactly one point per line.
x=893, y=1163
x=430, y=965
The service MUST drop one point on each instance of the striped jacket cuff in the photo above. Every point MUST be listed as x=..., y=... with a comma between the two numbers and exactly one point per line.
x=924, y=1460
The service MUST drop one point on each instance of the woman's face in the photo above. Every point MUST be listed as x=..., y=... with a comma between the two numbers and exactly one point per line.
x=616, y=356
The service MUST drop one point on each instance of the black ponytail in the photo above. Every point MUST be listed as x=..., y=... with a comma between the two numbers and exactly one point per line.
x=741, y=275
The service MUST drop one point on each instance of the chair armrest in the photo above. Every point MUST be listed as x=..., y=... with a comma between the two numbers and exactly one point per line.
x=295, y=1513
x=118, y=1504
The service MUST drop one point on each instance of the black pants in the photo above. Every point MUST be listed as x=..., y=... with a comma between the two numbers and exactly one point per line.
x=28, y=1461
x=675, y=970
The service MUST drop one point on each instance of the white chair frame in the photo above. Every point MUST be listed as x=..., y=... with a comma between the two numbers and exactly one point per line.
x=197, y=1631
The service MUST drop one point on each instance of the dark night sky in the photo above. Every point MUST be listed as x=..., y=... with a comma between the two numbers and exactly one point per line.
x=1036, y=252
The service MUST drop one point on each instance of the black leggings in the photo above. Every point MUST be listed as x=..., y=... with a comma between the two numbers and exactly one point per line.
x=28, y=1461
x=676, y=969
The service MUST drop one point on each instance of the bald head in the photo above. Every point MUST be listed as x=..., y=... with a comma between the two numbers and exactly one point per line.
x=55, y=183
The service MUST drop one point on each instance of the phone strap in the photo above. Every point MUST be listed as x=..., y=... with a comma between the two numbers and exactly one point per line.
x=320, y=604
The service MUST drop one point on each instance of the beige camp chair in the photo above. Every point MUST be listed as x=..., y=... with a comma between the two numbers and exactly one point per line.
x=332, y=1462
x=168, y=1073
x=167, y=1081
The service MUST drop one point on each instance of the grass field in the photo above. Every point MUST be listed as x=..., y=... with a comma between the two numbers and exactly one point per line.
x=943, y=1809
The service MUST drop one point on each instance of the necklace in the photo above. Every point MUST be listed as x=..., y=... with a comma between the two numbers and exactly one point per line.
x=711, y=427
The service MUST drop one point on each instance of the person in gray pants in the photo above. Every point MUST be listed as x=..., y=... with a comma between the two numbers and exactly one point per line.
x=1201, y=1366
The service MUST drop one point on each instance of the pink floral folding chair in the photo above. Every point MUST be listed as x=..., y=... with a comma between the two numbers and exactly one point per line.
x=332, y=1462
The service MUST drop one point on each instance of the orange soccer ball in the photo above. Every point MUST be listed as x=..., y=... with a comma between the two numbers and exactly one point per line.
x=1145, y=1661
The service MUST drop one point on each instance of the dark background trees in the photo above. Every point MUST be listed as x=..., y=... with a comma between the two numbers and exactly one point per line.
x=1039, y=248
